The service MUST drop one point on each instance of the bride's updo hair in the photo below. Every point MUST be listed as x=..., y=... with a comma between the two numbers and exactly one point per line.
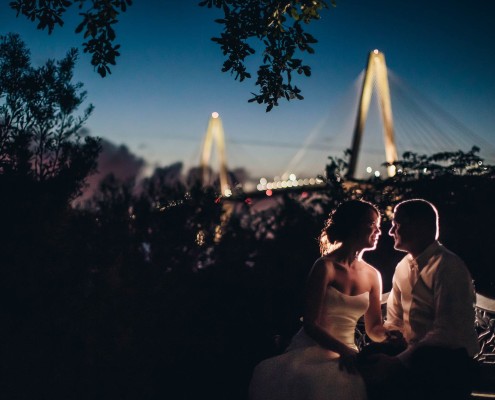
x=342, y=223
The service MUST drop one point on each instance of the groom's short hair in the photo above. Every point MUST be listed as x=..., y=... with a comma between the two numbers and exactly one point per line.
x=420, y=212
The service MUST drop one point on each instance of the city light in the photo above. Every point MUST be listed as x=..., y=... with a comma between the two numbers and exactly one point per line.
x=391, y=170
x=292, y=182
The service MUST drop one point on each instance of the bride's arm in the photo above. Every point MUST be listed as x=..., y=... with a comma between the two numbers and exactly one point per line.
x=321, y=275
x=373, y=319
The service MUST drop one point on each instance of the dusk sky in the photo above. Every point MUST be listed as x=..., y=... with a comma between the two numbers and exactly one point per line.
x=167, y=82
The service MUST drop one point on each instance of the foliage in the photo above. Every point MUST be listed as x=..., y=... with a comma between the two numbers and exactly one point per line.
x=44, y=270
x=279, y=26
x=414, y=166
x=39, y=128
x=97, y=24
x=43, y=163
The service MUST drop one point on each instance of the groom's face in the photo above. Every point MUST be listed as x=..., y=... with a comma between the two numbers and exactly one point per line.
x=401, y=231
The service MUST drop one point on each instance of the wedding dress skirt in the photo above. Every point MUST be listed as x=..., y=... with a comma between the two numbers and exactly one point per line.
x=307, y=371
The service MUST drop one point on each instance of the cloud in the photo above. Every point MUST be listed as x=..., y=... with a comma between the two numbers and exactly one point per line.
x=113, y=159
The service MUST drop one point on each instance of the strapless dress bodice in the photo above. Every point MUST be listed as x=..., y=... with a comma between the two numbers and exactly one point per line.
x=341, y=313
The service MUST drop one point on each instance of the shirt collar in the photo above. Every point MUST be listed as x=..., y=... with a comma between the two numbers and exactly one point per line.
x=421, y=260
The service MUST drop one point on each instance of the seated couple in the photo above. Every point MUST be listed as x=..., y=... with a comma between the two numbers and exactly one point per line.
x=425, y=347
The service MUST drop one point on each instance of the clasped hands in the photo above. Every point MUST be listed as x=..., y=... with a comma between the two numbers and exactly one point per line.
x=378, y=360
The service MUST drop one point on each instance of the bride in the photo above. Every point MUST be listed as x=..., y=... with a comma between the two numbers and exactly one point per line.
x=320, y=362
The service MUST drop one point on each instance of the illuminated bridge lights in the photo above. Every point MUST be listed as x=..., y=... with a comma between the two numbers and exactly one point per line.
x=280, y=184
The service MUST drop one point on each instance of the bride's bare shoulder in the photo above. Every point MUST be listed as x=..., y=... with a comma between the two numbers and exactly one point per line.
x=324, y=264
x=365, y=264
x=328, y=259
x=370, y=269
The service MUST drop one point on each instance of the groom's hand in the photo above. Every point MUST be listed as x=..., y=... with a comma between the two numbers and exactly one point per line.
x=396, y=340
x=378, y=368
x=393, y=335
x=347, y=362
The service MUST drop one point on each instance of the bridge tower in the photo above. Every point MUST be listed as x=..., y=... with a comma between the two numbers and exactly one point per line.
x=376, y=72
x=214, y=133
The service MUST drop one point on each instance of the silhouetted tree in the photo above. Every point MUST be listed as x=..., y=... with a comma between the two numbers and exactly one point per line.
x=39, y=127
x=277, y=25
x=43, y=159
x=43, y=164
x=97, y=20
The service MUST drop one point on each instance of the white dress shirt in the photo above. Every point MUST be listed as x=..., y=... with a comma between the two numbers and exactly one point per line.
x=432, y=301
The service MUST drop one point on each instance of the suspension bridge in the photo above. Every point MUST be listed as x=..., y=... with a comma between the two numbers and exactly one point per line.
x=414, y=123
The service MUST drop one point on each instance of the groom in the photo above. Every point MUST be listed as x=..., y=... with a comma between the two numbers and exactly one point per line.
x=432, y=304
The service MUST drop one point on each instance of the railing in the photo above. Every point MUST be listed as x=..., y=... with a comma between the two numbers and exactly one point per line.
x=485, y=326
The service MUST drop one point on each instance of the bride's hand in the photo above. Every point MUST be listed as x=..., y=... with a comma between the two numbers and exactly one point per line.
x=395, y=338
x=347, y=362
x=392, y=335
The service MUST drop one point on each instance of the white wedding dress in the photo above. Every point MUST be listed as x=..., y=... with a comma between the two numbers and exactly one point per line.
x=307, y=371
